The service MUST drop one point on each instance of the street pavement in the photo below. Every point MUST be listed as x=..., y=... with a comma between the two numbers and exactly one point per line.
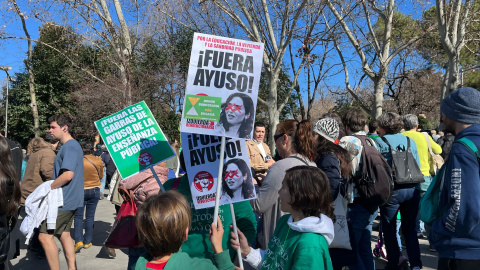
x=95, y=257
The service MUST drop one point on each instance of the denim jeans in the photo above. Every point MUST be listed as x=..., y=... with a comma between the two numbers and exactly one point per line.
x=361, y=221
x=102, y=181
x=407, y=200
x=90, y=201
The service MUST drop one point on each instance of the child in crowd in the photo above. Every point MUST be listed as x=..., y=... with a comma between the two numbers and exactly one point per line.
x=301, y=239
x=162, y=222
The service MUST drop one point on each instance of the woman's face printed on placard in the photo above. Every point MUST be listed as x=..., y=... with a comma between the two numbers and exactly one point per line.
x=234, y=177
x=235, y=111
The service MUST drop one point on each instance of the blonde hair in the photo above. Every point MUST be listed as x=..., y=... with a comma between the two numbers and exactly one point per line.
x=162, y=221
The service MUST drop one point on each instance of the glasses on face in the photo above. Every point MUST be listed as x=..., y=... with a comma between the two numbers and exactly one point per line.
x=275, y=137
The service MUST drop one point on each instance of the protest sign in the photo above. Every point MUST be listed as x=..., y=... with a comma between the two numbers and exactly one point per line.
x=222, y=86
x=201, y=154
x=134, y=139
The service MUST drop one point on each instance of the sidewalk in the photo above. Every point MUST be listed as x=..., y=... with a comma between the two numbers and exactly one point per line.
x=92, y=258
x=96, y=258
x=429, y=259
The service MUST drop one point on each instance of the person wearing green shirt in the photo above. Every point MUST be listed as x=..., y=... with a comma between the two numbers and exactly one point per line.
x=198, y=244
x=163, y=222
x=301, y=239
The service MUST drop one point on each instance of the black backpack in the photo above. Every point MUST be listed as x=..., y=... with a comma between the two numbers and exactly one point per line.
x=404, y=166
x=374, y=181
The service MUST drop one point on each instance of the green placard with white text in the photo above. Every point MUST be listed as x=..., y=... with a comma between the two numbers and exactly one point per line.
x=134, y=139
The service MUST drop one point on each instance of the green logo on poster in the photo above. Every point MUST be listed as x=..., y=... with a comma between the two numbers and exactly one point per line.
x=202, y=107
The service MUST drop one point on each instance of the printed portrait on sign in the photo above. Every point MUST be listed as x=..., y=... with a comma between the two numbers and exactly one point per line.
x=236, y=117
x=237, y=183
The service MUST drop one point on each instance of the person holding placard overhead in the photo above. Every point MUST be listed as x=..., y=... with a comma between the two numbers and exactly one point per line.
x=237, y=181
x=295, y=144
x=236, y=118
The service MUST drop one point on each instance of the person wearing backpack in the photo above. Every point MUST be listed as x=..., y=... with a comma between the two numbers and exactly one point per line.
x=410, y=123
x=456, y=233
x=406, y=194
x=360, y=214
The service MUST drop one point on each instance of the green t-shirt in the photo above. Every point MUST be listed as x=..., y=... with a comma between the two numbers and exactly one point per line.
x=290, y=249
x=198, y=244
x=181, y=260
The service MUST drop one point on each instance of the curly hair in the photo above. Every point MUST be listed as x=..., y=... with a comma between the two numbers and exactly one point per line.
x=391, y=122
x=309, y=190
x=247, y=185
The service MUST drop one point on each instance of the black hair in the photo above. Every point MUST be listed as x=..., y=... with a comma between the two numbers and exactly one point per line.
x=247, y=186
x=247, y=125
x=87, y=147
x=62, y=120
x=258, y=124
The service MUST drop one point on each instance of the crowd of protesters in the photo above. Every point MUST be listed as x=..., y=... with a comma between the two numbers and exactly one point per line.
x=310, y=211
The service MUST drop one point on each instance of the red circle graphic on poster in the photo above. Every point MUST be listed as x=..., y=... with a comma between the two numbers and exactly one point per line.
x=203, y=181
x=145, y=158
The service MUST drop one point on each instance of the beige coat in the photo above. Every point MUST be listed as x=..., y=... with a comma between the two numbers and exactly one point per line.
x=257, y=161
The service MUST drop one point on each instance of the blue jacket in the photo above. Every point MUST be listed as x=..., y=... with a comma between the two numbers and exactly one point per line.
x=457, y=233
x=330, y=164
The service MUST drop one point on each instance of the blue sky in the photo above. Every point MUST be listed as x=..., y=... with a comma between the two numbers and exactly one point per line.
x=13, y=51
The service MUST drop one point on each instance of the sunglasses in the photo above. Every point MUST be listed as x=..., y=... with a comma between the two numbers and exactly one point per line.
x=275, y=137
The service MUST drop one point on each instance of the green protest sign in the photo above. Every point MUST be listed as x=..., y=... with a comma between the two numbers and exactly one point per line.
x=202, y=107
x=134, y=139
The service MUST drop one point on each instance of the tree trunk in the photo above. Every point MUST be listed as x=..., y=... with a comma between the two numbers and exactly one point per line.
x=33, y=98
x=453, y=67
x=378, y=96
x=273, y=112
x=31, y=77
x=127, y=93
x=273, y=118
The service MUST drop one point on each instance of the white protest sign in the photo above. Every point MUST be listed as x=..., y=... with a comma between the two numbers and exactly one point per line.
x=201, y=155
x=222, y=86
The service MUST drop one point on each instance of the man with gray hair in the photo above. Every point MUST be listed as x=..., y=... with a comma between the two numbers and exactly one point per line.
x=410, y=123
x=456, y=233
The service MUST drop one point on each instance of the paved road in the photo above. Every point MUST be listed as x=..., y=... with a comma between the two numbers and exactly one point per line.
x=96, y=258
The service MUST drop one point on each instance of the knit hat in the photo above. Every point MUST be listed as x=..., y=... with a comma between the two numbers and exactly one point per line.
x=463, y=105
x=327, y=128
